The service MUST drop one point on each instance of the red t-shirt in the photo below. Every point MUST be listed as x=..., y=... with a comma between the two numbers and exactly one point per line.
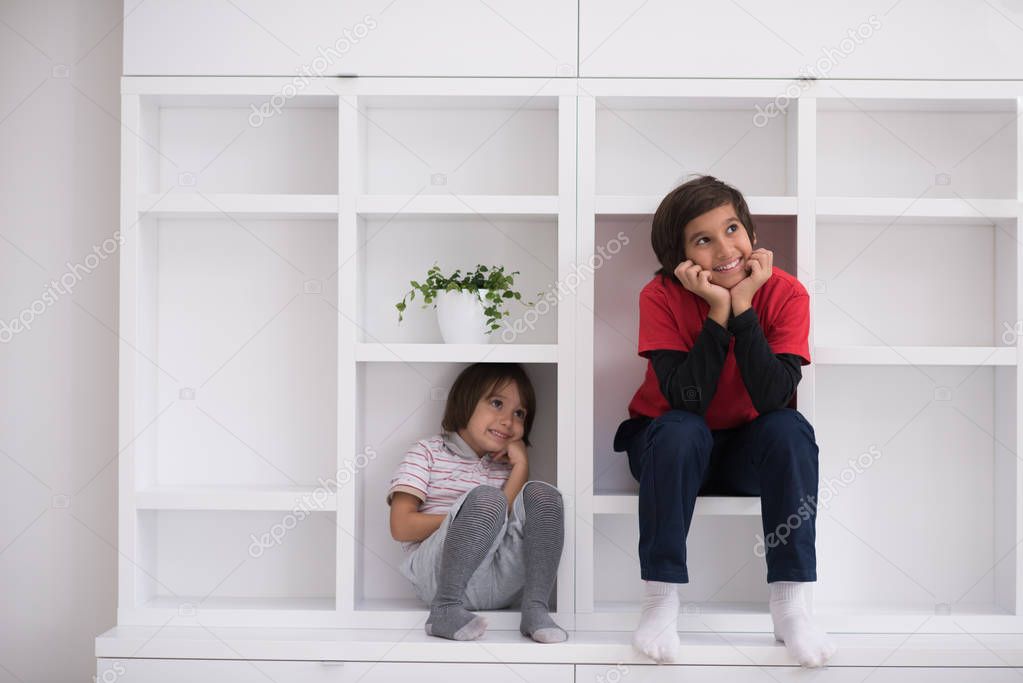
x=671, y=317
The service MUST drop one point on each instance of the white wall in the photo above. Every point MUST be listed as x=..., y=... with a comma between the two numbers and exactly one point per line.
x=59, y=168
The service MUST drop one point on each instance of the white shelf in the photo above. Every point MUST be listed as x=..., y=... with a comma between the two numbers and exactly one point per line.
x=184, y=605
x=642, y=205
x=582, y=647
x=456, y=353
x=838, y=619
x=626, y=504
x=186, y=204
x=970, y=210
x=915, y=355
x=450, y=204
x=235, y=498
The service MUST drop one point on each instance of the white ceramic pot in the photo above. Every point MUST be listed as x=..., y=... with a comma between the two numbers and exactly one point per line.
x=461, y=317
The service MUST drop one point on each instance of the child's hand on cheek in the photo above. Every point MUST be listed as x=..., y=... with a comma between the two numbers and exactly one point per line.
x=515, y=455
x=760, y=264
x=697, y=280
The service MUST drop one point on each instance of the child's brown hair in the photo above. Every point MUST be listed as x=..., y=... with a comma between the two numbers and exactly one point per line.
x=686, y=202
x=480, y=380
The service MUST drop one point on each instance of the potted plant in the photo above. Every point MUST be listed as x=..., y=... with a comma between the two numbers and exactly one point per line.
x=469, y=306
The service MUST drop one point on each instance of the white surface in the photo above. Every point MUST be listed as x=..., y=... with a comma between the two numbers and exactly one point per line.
x=586, y=647
x=59, y=166
x=392, y=379
x=467, y=38
x=458, y=204
x=906, y=39
x=903, y=39
x=705, y=505
x=494, y=352
x=236, y=498
x=236, y=671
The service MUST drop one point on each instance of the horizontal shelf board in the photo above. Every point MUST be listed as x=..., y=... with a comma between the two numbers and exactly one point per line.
x=456, y=353
x=522, y=205
x=874, y=209
x=627, y=504
x=229, y=95
x=914, y=355
x=821, y=608
x=186, y=204
x=582, y=647
x=835, y=618
x=926, y=102
x=463, y=101
x=235, y=498
x=474, y=92
x=642, y=205
x=183, y=605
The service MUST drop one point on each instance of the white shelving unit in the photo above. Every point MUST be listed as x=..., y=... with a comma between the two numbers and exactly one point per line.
x=268, y=390
x=262, y=357
x=898, y=207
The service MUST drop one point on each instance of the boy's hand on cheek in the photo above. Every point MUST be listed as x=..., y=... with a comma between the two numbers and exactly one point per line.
x=761, y=265
x=515, y=455
x=697, y=280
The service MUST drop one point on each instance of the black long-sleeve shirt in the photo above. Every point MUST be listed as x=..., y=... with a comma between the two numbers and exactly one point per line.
x=688, y=379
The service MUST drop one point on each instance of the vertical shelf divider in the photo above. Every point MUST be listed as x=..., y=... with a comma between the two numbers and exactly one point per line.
x=805, y=126
x=129, y=391
x=584, y=312
x=568, y=454
x=347, y=385
x=1017, y=413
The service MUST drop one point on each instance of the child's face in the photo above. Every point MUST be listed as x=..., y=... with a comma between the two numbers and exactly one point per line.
x=498, y=420
x=716, y=240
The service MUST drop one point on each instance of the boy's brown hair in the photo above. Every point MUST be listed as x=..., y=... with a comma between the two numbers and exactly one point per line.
x=480, y=380
x=686, y=202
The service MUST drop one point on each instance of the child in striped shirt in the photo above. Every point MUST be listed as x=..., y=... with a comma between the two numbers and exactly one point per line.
x=478, y=534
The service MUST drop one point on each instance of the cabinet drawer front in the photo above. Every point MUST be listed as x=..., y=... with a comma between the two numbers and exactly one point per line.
x=640, y=673
x=255, y=671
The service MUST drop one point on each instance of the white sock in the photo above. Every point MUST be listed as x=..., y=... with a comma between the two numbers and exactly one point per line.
x=657, y=635
x=805, y=641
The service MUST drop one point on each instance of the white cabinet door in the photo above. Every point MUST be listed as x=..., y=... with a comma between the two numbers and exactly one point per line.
x=831, y=39
x=356, y=37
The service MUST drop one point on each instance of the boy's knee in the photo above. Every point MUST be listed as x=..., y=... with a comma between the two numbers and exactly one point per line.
x=487, y=497
x=787, y=423
x=540, y=492
x=676, y=428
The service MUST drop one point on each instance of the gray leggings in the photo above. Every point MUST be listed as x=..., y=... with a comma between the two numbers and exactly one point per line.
x=500, y=578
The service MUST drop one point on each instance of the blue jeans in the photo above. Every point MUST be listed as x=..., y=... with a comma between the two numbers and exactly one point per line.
x=677, y=457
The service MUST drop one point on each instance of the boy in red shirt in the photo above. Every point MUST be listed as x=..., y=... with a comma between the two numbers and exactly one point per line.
x=726, y=334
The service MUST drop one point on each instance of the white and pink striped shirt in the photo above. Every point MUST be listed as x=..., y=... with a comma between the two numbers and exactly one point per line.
x=439, y=469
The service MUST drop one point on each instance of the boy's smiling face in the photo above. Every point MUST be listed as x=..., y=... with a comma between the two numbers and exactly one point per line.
x=499, y=419
x=718, y=241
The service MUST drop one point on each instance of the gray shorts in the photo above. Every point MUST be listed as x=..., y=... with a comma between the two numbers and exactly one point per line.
x=498, y=581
